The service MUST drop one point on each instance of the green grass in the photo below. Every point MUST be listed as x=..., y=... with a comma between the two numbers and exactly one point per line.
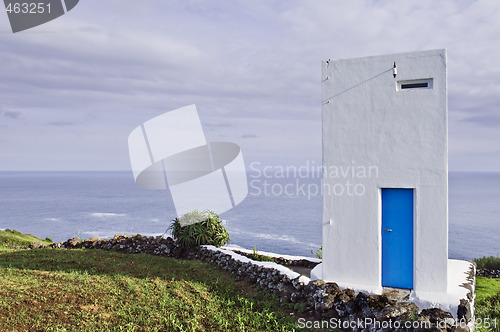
x=487, y=303
x=258, y=257
x=89, y=290
x=488, y=263
x=12, y=238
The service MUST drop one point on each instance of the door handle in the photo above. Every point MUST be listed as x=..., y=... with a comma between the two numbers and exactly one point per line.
x=387, y=230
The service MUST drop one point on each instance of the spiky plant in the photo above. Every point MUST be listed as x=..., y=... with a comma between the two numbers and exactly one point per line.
x=197, y=228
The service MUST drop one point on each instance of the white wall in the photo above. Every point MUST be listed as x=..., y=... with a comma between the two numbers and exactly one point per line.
x=367, y=123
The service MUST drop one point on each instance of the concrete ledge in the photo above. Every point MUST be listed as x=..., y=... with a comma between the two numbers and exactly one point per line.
x=459, y=299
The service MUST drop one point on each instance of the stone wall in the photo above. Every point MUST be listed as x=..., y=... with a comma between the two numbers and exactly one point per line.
x=320, y=300
x=488, y=273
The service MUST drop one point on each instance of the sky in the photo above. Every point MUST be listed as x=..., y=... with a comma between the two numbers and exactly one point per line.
x=72, y=90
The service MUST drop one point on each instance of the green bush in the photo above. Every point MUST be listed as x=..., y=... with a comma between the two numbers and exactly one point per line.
x=197, y=228
x=261, y=258
x=488, y=262
x=318, y=253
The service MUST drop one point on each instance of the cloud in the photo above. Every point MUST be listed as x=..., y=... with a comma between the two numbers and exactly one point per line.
x=108, y=68
x=221, y=124
x=484, y=120
x=61, y=123
x=249, y=136
x=11, y=114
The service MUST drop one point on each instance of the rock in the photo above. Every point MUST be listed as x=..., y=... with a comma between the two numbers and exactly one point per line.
x=464, y=311
x=334, y=290
x=36, y=245
x=319, y=284
x=341, y=309
x=351, y=306
x=435, y=314
x=368, y=312
x=399, y=309
x=328, y=301
x=488, y=273
x=379, y=301
x=73, y=242
x=362, y=299
x=349, y=292
x=296, y=297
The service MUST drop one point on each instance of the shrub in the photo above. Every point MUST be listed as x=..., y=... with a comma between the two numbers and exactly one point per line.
x=488, y=263
x=261, y=258
x=197, y=228
x=319, y=252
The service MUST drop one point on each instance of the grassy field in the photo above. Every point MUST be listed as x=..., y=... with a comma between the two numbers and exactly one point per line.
x=13, y=239
x=487, y=304
x=89, y=290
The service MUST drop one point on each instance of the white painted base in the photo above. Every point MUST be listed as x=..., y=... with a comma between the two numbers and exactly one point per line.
x=458, y=271
x=272, y=265
x=317, y=274
x=271, y=254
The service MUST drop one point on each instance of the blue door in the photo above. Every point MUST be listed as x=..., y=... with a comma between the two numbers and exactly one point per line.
x=397, y=238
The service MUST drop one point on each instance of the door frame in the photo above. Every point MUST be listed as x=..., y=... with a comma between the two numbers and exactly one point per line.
x=415, y=215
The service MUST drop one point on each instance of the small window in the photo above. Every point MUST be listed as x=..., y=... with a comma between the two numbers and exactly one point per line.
x=415, y=84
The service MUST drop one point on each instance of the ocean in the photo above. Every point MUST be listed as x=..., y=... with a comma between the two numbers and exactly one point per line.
x=61, y=205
